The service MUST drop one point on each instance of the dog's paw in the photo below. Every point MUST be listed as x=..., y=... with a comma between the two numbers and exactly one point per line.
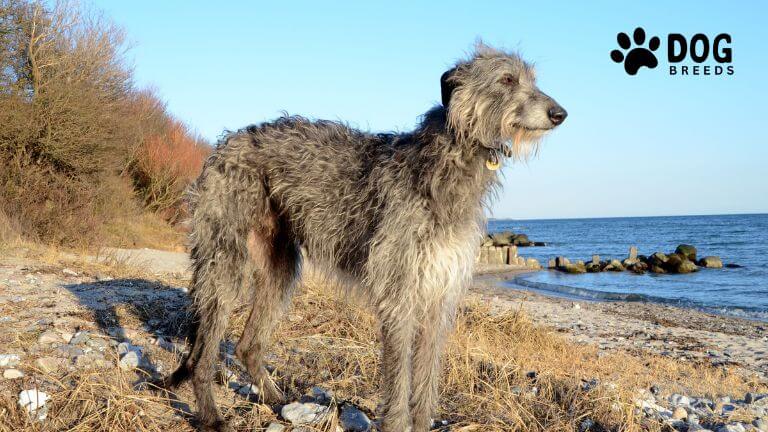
x=639, y=56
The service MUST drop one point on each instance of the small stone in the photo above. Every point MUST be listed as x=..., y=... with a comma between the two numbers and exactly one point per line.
x=92, y=359
x=97, y=343
x=703, y=403
x=129, y=361
x=679, y=413
x=760, y=423
x=7, y=360
x=354, y=420
x=79, y=338
x=711, y=262
x=532, y=263
x=687, y=251
x=320, y=395
x=590, y=385
x=576, y=268
x=248, y=389
x=33, y=401
x=123, y=347
x=12, y=374
x=677, y=425
x=678, y=399
x=732, y=427
x=49, y=364
x=303, y=413
x=66, y=336
x=632, y=253
x=49, y=337
x=71, y=351
x=614, y=265
x=275, y=427
x=576, y=306
x=586, y=425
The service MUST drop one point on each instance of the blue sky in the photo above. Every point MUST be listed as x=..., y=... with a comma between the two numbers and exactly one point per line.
x=650, y=144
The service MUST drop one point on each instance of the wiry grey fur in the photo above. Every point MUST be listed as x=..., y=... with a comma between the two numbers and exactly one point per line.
x=399, y=214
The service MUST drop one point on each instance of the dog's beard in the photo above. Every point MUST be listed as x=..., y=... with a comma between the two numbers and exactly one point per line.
x=521, y=143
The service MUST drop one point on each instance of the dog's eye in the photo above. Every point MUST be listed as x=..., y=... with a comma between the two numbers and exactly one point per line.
x=509, y=79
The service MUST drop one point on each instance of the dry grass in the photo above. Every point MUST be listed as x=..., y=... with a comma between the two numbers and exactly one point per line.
x=143, y=230
x=9, y=229
x=487, y=384
x=81, y=147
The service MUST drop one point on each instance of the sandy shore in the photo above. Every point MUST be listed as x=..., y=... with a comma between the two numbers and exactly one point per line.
x=684, y=334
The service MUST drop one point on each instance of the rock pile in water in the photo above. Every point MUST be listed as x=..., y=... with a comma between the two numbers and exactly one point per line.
x=508, y=238
x=682, y=260
x=494, y=256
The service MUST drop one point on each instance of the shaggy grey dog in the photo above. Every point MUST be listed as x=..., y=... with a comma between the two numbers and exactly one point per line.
x=401, y=215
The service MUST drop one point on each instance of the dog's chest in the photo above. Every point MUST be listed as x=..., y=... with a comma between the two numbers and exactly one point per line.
x=448, y=262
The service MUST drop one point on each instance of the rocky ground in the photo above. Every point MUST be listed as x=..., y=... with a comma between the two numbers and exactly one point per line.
x=59, y=319
x=735, y=345
x=684, y=334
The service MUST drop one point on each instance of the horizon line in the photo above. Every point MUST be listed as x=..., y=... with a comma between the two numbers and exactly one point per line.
x=627, y=217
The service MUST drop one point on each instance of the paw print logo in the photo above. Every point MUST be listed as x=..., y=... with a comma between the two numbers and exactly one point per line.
x=638, y=56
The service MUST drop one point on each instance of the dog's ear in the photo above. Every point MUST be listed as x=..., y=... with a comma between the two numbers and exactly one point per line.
x=447, y=86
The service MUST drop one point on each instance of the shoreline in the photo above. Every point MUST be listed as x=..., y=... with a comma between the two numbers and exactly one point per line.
x=682, y=333
x=617, y=298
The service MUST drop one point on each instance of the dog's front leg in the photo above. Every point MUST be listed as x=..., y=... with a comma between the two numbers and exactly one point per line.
x=397, y=328
x=432, y=330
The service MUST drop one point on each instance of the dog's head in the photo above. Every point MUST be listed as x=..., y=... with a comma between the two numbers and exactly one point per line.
x=492, y=99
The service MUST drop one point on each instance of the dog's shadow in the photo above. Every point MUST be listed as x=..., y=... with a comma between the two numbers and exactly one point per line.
x=139, y=313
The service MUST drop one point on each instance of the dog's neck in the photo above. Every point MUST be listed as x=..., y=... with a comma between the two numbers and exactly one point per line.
x=453, y=172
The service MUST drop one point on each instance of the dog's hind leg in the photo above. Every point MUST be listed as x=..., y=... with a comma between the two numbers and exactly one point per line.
x=228, y=198
x=217, y=274
x=217, y=280
x=276, y=261
x=213, y=322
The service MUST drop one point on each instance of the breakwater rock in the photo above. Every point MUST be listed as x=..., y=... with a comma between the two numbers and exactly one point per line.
x=682, y=260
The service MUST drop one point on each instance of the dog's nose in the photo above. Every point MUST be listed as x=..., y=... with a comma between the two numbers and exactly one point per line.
x=557, y=114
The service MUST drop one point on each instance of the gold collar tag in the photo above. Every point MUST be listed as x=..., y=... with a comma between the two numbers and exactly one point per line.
x=492, y=163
